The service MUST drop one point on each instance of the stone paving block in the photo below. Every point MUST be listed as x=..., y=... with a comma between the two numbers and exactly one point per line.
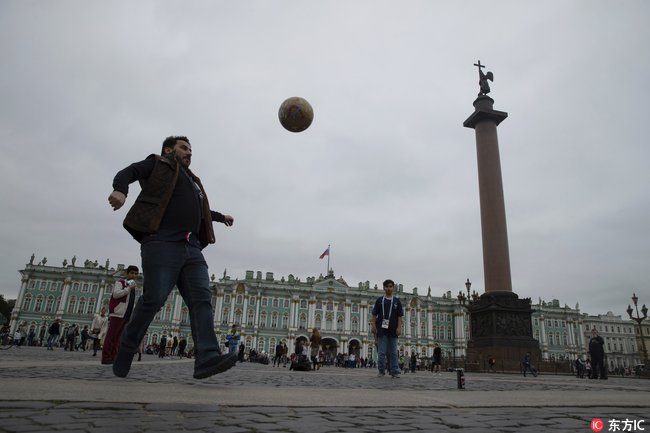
x=24, y=405
x=182, y=407
x=99, y=405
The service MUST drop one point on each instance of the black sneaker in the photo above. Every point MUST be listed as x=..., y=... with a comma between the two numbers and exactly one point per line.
x=122, y=363
x=216, y=365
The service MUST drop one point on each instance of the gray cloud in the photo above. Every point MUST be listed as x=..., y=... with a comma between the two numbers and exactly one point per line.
x=386, y=173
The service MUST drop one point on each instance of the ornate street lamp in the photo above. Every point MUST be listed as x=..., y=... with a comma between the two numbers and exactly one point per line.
x=468, y=284
x=638, y=319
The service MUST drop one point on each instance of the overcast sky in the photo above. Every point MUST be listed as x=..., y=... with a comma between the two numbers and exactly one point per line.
x=386, y=173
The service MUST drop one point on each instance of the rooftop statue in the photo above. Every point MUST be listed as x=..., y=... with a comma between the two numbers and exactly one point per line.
x=483, y=79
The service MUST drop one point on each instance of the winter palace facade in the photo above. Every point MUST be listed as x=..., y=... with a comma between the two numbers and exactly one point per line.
x=270, y=310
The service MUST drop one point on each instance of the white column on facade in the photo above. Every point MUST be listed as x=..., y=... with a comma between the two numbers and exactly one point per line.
x=258, y=301
x=311, y=322
x=231, y=316
x=64, y=297
x=176, y=314
x=542, y=337
x=218, y=308
x=98, y=301
x=244, y=314
x=417, y=324
x=581, y=336
x=363, y=319
x=459, y=330
x=19, y=304
x=430, y=323
x=348, y=310
x=408, y=322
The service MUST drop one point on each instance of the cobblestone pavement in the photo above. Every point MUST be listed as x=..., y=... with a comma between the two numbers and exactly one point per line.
x=43, y=391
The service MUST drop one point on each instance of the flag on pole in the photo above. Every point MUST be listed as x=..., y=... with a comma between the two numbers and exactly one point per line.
x=325, y=253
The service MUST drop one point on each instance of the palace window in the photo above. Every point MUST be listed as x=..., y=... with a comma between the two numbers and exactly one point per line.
x=184, y=315
x=262, y=323
x=265, y=302
x=91, y=306
x=355, y=325
x=238, y=315
x=285, y=320
x=251, y=301
x=318, y=322
x=341, y=306
x=339, y=324
x=303, y=303
x=225, y=316
x=355, y=308
x=286, y=303
x=49, y=305
x=329, y=323
x=39, y=303
x=274, y=319
x=84, y=288
x=72, y=304
x=226, y=299
x=319, y=305
x=240, y=299
x=303, y=321
x=82, y=306
x=276, y=302
x=250, y=320
x=75, y=287
x=27, y=302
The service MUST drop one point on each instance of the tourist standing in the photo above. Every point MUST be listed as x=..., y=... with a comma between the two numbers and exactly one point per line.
x=597, y=354
x=386, y=327
x=120, y=307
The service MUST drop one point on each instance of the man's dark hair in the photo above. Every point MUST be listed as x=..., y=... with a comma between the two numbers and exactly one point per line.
x=171, y=142
x=132, y=268
x=387, y=282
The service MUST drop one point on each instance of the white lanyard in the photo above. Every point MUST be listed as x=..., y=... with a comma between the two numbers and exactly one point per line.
x=383, y=311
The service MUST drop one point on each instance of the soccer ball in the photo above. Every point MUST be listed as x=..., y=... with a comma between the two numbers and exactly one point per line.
x=295, y=114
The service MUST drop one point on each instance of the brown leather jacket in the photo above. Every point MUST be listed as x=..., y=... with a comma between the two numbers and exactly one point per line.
x=150, y=206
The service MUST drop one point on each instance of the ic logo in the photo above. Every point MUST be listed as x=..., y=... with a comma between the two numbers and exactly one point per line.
x=597, y=424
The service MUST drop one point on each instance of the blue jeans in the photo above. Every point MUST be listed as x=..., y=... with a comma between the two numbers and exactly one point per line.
x=165, y=265
x=387, y=345
x=51, y=340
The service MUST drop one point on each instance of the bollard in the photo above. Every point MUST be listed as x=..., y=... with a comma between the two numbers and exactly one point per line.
x=460, y=378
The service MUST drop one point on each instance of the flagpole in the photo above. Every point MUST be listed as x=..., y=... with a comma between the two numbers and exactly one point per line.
x=328, y=259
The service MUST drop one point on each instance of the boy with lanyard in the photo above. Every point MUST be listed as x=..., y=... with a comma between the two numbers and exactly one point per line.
x=386, y=327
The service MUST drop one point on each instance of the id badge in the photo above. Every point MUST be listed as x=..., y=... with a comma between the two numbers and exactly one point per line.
x=384, y=323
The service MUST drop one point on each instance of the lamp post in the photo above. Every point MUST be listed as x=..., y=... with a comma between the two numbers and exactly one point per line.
x=468, y=284
x=638, y=319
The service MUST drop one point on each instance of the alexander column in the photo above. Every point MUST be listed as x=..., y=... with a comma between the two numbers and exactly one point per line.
x=501, y=323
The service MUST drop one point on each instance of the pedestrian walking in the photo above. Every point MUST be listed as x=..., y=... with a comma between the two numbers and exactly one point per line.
x=527, y=365
x=54, y=331
x=98, y=329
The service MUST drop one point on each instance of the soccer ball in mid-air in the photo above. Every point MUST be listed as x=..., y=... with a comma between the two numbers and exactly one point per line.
x=295, y=114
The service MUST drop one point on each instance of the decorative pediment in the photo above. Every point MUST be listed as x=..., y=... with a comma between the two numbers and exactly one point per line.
x=331, y=285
